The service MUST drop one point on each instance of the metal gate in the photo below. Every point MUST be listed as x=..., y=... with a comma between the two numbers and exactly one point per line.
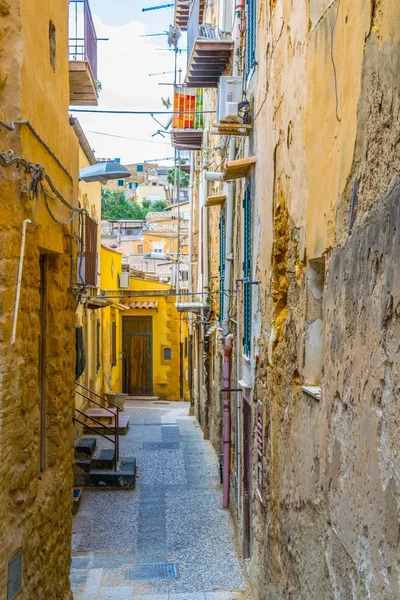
x=137, y=348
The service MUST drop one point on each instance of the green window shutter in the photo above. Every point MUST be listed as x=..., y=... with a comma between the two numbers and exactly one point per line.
x=247, y=311
x=121, y=182
x=251, y=31
x=222, y=238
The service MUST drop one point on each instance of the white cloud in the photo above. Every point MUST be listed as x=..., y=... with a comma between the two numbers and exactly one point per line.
x=124, y=64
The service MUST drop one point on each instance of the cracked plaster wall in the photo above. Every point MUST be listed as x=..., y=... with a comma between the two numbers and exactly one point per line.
x=327, y=527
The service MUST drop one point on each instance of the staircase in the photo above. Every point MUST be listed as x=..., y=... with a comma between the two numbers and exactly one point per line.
x=95, y=467
x=99, y=469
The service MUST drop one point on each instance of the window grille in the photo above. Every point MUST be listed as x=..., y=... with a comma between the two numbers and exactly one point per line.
x=222, y=238
x=90, y=251
x=251, y=30
x=247, y=309
x=114, y=344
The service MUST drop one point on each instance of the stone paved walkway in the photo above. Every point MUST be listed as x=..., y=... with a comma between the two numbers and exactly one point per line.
x=173, y=517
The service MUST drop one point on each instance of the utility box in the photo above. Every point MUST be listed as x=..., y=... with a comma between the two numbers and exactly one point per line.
x=230, y=93
x=124, y=280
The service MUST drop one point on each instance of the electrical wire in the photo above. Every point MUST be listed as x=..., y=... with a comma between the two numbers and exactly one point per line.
x=124, y=137
x=142, y=112
x=333, y=63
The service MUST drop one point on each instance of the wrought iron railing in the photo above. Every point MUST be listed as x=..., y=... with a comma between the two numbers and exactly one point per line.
x=197, y=31
x=101, y=428
x=82, y=39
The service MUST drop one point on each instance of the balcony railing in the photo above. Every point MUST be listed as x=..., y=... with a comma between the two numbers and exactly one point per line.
x=209, y=53
x=187, y=124
x=82, y=50
x=82, y=35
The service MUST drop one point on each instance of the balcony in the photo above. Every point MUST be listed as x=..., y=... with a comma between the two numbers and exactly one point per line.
x=187, y=126
x=182, y=12
x=209, y=52
x=82, y=49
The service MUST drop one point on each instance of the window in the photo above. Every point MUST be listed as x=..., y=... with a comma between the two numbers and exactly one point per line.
x=158, y=247
x=121, y=183
x=139, y=168
x=52, y=42
x=113, y=344
x=140, y=249
x=184, y=275
x=167, y=354
x=247, y=309
x=90, y=251
x=186, y=348
x=222, y=239
x=251, y=30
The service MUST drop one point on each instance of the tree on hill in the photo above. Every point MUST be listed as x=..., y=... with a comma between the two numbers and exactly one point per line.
x=184, y=177
x=115, y=207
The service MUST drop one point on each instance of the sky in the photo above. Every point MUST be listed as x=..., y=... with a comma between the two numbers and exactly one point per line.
x=124, y=64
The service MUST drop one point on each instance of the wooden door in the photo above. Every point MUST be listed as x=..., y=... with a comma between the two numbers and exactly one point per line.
x=137, y=352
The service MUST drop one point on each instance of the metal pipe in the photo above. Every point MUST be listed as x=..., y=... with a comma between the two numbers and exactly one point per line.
x=214, y=175
x=191, y=220
x=19, y=280
x=227, y=418
x=238, y=397
x=204, y=212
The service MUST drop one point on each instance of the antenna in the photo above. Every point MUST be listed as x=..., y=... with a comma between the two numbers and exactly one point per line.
x=157, y=7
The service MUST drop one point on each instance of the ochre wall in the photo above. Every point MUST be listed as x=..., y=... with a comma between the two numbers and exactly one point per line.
x=327, y=524
x=35, y=507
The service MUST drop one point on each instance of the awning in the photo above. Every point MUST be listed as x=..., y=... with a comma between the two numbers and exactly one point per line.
x=104, y=172
x=235, y=169
x=98, y=302
x=153, y=305
x=215, y=200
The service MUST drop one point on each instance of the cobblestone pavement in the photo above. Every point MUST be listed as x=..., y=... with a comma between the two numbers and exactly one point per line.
x=171, y=526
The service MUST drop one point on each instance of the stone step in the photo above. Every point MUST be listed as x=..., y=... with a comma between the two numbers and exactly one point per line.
x=106, y=416
x=104, y=460
x=123, y=478
x=123, y=425
x=85, y=447
x=76, y=499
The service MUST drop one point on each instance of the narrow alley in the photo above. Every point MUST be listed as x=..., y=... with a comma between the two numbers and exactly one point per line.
x=169, y=538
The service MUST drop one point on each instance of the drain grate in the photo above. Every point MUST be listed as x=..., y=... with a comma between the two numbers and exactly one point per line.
x=160, y=445
x=152, y=571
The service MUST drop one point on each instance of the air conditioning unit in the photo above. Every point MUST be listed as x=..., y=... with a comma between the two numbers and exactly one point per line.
x=230, y=94
x=124, y=280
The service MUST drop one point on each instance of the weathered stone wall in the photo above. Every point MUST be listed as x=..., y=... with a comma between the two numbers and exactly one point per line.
x=325, y=99
x=35, y=506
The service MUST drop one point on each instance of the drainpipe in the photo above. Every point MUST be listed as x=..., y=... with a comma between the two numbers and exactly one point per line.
x=227, y=418
x=191, y=221
x=19, y=280
x=238, y=396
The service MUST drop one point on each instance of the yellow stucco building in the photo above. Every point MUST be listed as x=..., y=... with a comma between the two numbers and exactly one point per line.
x=144, y=338
x=38, y=335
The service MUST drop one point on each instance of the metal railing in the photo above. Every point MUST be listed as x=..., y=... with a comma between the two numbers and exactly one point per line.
x=197, y=31
x=83, y=39
x=115, y=415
